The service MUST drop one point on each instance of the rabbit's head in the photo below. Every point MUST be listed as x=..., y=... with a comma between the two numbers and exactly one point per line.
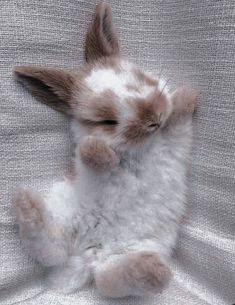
x=109, y=97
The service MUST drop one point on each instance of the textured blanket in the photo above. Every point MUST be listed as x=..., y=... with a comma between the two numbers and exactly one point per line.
x=191, y=42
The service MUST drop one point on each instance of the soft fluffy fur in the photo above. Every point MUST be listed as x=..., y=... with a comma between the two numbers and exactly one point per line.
x=117, y=221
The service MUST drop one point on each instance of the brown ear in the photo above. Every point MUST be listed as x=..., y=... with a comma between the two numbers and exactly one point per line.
x=101, y=39
x=51, y=86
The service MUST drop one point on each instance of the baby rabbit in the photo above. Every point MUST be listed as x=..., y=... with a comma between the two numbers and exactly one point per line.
x=117, y=221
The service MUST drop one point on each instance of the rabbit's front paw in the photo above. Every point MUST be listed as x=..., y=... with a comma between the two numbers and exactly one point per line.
x=97, y=155
x=184, y=101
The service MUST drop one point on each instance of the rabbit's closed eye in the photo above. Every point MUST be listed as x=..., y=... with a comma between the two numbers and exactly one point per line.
x=154, y=125
x=108, y=122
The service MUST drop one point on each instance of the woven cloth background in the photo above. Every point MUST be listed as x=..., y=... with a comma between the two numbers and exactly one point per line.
x=189, y=41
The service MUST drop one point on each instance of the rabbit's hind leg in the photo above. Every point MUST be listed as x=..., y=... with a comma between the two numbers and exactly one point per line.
x=134, y=273
x=42, y=237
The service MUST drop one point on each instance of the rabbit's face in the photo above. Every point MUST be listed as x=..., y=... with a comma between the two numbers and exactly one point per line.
x=119, y=102
x=109, y=97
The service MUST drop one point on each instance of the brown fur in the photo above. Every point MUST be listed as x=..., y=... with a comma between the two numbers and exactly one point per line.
x=149, y=109
x=29, y=203
x=29, y=208
x=92, y=109
x=135, y=273
x=105, y=109
x=135, y=132
x=101, y=39
x=148, y=112
x=51, y=86
x=144, y=78
x=96, y=154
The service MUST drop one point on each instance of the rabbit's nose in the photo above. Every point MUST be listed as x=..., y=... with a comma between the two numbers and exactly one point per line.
x=153, y=126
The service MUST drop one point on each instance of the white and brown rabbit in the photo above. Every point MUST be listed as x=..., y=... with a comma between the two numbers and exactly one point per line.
x=117, y=221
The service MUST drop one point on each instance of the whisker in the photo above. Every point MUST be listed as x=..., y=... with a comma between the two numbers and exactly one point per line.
x=161, y=92
x=161, y=71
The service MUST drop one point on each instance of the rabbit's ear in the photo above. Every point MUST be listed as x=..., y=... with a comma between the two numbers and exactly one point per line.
x=51, y=86
x=101, y=39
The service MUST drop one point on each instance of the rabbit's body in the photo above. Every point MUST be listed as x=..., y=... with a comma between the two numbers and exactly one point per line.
x=136, y=207
x=117, y=220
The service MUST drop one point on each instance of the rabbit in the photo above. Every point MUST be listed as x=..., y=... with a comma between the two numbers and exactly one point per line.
x=115, y=222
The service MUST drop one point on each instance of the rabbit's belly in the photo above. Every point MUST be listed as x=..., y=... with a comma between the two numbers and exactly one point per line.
x=139, y=208
x=132, y=212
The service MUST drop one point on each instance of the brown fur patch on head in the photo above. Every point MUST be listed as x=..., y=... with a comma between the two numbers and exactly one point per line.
x=104, y=106
x=92, y=109
x=148, y=115
x=148, y=109
x=144, y=78
x=101, y=39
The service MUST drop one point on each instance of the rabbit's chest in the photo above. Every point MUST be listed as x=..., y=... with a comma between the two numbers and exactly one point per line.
x=145, y=188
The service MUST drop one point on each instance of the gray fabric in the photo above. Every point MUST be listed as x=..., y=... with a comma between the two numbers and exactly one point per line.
x=192, y=42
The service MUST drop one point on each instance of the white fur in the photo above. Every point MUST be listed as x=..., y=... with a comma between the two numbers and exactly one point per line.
x=137, y=206
x=102, y=79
